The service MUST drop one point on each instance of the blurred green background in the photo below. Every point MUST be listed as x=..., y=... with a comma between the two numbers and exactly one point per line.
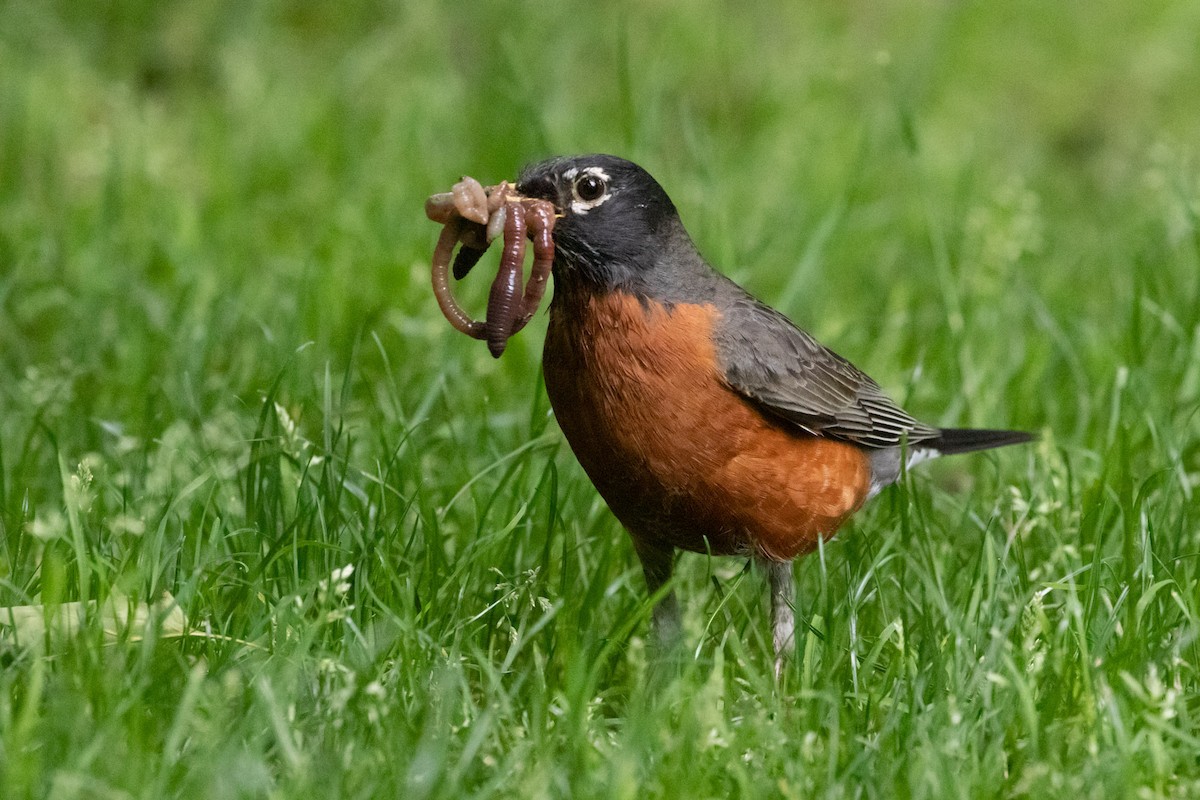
x=222, y=375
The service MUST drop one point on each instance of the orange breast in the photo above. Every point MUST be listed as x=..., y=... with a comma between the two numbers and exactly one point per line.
x=679, y=457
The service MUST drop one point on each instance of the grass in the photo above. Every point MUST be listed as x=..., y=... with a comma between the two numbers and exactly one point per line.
x=223, y=377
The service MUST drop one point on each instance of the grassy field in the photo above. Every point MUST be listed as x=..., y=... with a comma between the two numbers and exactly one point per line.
x=223, y=377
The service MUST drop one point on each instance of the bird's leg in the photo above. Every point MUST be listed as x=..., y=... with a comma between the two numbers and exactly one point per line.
x=783, y=612
x=657, y=564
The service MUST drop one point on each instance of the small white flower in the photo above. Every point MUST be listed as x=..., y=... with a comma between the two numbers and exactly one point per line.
x=53, y=525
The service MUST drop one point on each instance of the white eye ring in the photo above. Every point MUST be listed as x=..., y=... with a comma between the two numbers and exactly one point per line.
x=584, y=183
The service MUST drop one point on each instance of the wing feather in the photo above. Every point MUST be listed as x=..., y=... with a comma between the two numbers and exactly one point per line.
x=789, y=374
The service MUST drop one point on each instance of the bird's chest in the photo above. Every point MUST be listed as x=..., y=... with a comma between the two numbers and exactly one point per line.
x=679, y=457
x=633, y=384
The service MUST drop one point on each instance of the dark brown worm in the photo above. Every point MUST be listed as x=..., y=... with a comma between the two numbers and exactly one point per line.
x=466, y=259
x=541, y=220
x=504, y=300
x=441, y=282
x=475, y=243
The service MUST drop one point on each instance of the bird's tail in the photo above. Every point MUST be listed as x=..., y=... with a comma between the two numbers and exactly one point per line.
x=966, y=440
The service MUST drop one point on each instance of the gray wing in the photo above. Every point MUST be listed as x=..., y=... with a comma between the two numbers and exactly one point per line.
x=792, y=376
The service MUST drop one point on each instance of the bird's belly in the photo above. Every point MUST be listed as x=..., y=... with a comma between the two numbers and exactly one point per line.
x=680, y=458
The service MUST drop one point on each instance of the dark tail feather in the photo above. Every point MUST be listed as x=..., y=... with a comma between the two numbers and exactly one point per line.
x=966, y=440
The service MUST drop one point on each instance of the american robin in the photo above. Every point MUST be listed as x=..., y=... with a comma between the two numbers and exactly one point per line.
x=707, y=420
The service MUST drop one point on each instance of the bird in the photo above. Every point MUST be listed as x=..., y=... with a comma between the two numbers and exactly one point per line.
x=708, y=421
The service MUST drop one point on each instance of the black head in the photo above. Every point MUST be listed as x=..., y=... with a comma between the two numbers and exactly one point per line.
x=617, y=229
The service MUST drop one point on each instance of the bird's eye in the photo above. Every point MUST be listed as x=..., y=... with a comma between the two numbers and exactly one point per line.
x=589, y=187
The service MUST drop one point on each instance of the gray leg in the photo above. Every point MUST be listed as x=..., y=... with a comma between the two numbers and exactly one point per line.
x=657, y=564
x=783, y=613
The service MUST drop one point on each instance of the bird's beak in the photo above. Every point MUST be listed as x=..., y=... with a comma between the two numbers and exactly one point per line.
x=541, y=187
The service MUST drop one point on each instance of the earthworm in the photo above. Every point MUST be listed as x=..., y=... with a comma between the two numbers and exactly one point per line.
x=541, y=230
x=470, y=200
x=441, y=282
x=440, y=207
x=504, y=300
x=497, y=196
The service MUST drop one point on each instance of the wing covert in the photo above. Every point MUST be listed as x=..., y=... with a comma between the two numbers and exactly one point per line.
x=789, y=374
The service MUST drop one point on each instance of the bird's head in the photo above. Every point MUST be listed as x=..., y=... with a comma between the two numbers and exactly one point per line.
x=616, y=225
